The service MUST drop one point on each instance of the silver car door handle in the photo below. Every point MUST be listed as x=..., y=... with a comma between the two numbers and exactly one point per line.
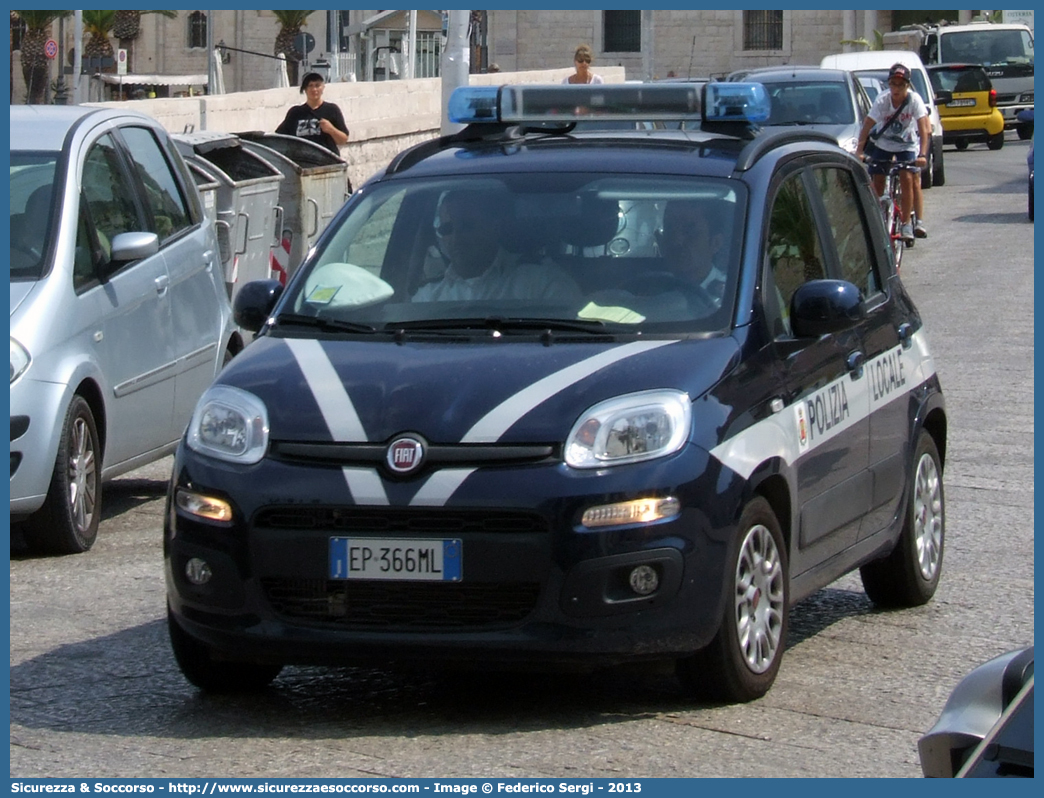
x=162, y=282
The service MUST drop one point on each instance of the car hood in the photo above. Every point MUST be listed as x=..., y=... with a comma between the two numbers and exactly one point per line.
x=839, y=132
x=479, y=392
x=19, y=291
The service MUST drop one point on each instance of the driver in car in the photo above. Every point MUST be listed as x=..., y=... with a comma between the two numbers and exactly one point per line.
x=693, y=240
x=469, y=229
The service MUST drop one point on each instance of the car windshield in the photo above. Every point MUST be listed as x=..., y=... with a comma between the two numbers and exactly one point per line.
x=989, y=47
x=528, y=252
x=810, y=103
x=32, y=179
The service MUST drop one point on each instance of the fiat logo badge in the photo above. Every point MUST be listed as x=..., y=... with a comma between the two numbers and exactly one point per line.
x=405, y=455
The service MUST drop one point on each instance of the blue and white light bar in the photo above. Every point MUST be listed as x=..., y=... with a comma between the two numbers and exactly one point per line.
x=535, y=103
x=736, y=102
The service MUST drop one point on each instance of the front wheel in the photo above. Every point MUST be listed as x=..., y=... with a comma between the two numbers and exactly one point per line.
x=909, y=575
x=1025, y=131
x=741, y=662
x=212, y=675
x=995, y=142
x=961, y=145
x=68, y=521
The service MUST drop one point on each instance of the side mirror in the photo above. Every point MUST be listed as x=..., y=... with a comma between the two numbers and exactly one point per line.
x=254, y=302
x=943, y=97
x=819, y=307
x=133, y=246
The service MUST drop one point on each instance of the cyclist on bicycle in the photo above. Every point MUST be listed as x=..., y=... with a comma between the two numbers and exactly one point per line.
x=897, y=129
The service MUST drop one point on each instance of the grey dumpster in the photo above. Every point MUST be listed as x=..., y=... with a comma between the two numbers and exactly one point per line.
x=247, y=202
x=314, y=189
x=208, y=188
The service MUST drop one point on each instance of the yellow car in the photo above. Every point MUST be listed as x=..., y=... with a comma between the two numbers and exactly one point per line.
x=967, y=105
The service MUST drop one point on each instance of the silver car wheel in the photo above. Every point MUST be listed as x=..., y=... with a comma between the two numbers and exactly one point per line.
x=928, y=517
x=759, y=599
x=83, y=481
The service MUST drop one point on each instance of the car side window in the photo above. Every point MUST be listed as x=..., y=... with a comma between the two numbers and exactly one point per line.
x=848, y=227
x=107, y=196
x=170, y=213
x=792, y=251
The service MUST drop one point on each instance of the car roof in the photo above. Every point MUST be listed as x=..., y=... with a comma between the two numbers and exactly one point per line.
x=872, y=59
x=781, y=74
x=44, y=127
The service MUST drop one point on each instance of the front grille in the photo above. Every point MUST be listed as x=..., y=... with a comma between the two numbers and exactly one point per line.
x=386, y=520
x=399, y=606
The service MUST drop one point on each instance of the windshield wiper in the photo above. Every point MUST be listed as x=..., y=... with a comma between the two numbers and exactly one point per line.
x=501, y=324
x=326, y=325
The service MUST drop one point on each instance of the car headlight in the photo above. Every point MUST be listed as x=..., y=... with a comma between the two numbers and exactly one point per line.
x=19, y=360
x=849, y=144
x=628, y=429
x=229, y=424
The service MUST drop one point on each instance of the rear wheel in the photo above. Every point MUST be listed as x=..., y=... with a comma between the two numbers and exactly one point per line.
x=742, y=660
x=995, y=142
x=68, y=521
x=938, y=169
x=909, y=575
x=961, y=145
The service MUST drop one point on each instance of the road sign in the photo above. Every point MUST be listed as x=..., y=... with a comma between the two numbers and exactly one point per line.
x=51, y=48
x=304, y=43
x=121, y=62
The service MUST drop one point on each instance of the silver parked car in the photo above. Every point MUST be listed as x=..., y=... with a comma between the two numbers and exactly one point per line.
x=119, y=314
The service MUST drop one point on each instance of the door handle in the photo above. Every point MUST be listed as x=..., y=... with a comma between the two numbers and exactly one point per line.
x=315, y=218
x=162, y=282
x=855, y=362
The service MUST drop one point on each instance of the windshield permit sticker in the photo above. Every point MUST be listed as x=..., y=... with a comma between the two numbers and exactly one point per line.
x=610, y=313
x=322, y=294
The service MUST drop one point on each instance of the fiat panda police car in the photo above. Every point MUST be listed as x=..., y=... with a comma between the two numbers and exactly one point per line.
x=547, y=396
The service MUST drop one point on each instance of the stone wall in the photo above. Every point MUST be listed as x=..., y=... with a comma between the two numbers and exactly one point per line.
x=383, y=117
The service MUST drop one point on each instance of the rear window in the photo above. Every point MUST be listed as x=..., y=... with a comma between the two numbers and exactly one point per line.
x=960, y=79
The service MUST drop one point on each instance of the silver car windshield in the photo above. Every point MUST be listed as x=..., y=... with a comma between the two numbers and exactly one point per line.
x=617, y=252
x=32, y=181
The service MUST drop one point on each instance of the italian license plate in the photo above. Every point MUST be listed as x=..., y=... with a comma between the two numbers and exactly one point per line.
x=962, y=103
x=399, y=559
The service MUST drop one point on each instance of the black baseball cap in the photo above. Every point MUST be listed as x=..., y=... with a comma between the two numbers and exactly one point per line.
x=899, y=71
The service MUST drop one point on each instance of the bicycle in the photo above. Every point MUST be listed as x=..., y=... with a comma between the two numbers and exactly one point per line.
x=891, y=205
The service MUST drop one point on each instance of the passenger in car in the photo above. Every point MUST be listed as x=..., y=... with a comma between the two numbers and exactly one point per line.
x=469, y=227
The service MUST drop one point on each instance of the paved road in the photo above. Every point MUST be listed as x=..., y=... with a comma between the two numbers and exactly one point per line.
x=95, y=692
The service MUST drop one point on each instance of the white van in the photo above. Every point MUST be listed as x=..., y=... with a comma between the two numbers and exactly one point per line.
x=875, y=63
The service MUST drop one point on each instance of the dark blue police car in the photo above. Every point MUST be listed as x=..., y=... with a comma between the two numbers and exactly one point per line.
x=545, y=396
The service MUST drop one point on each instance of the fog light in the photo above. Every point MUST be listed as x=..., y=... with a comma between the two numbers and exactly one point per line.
x=198, y=572
x=644, y=580
x=642, y=511
x=209, y=507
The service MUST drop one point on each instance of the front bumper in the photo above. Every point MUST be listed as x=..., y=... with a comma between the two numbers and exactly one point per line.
x=1010, y=113
x=37, y=415
x=536, y=585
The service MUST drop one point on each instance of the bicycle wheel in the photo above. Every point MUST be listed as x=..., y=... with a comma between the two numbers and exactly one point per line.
x=895, y=222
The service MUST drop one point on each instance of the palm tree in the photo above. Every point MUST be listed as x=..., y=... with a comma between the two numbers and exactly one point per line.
x=290, y=24
x=36, y=67
x=98, y=26
x=127, y=27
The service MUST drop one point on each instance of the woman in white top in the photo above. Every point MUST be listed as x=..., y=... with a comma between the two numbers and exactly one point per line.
x=582, y=62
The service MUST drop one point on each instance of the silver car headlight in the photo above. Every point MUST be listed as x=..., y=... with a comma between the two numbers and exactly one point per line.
x=19, y=360
x=631, y=428
x=849, y=144
x=229, y=424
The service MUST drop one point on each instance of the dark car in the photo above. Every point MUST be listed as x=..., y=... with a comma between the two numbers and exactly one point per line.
x=829, y=100
x=548, y=397
x=986, y=728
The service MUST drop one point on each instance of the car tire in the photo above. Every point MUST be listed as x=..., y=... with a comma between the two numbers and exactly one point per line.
x=1025, y=131
x=741, y=662
x=995, y=142
x=961, y=145
x=909, y=575
x=67, y=523
x=928, y=173
x=211, y=675
x=1030, y=206
x=938, y=169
